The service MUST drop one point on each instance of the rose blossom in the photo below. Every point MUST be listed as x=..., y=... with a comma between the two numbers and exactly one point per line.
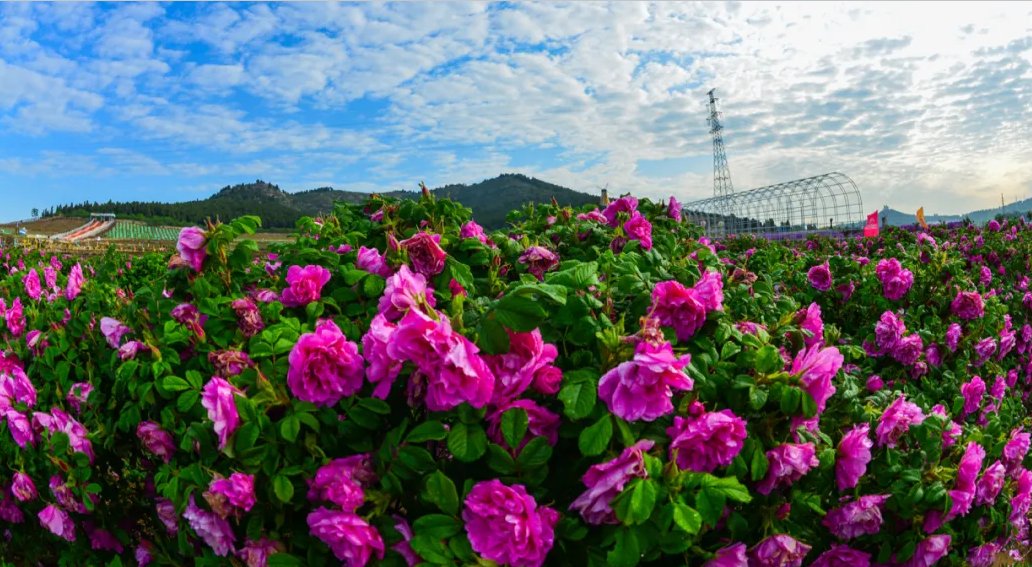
x=787, y=463
x=968, y=305
x=506, y=525
x=528, y=359
x=730, y=556
x=820, y=277
x=370, y=260
x=156, y=440
x=349, y=537
x=539, y=260
x=75, y=281
x=217, y=398
x=324, y=366
x=473, y=230
x=708, y=441
x=304, y=285
x=32, y=286
x=929, y=551
x=455, y=371
x=22, y=487
x=641, y=388
x=896, y=421
x=862, y=516
x=249, y=319
x=57, y=522
x=113, y=331
x=816, y=367
x=606, y=480
x=215, y=531
x=640, y=229
x=990, y=484
x=780, y=550
x=238, y=489
x=842, y=556
x=425, y=253
x=340, y=482
x=256, y=553
x=674, y=209
x=854, y=453
x=191, y=246
x=383, y=369
x=405, y=290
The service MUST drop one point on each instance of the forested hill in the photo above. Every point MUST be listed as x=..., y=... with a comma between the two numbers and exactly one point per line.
x=490, y=200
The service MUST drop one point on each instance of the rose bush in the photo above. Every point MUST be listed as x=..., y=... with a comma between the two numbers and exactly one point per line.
x=593, y=387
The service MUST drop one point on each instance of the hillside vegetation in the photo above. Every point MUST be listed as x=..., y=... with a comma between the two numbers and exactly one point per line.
x=490, y=200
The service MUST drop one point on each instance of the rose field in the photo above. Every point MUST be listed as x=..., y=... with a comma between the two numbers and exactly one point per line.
x=587, y=387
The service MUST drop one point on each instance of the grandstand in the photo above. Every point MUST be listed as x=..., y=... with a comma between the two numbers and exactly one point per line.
x=133, y=230
x=97, y=224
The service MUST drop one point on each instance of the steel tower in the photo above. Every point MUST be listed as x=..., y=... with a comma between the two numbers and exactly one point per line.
x=721, y=174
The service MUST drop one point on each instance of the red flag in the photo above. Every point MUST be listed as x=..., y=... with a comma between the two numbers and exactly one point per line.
x=871, y=230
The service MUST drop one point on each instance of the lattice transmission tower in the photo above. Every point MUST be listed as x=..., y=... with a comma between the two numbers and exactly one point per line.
x=721, y=174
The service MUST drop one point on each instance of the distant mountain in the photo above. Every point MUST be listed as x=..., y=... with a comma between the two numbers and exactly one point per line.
x=899, y=218
x=490, y=201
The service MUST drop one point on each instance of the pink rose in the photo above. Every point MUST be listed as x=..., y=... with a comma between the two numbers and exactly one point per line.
x=506, y=525
x=58, y=522
x=217, y=398
x=304, y=285
x=192, y=245
x=348, y=536
x=641, y=388
x=324, y=366
x=425, y=253
x=606, y=481
x=156, y=440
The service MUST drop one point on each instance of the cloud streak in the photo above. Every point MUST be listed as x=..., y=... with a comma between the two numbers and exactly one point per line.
x=582, y=94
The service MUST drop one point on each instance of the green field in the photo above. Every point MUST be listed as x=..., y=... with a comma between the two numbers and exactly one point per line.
x=127, y=230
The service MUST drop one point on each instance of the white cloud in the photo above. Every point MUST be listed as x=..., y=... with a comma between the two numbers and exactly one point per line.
x=917, y=102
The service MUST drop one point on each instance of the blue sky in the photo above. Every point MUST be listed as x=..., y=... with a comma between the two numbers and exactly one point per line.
x=919, y=104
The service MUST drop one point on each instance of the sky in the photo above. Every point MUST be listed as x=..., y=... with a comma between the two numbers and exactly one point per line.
x=923, y=104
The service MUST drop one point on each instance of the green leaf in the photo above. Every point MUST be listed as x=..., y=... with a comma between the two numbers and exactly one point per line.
x=375, y=405
x=283, y=488
x=577, y=276
x=686, y=518
x=187, y=400
x=514, y=426
x=431, y=550
x=710, y=506
x=417, y=458
x=768, y=360
x=174, y=384
x=809, y=405
x=467, y=442
x=535, y=453
x=499, y=459
x=634, y=505
x=246, y=436
x=492, y=338
x=757, y=398
x=758, y=465
x=289, y=428
x=728, y=487
x=595, y=438
x=626, y=552
x=426, y=431
x=579, y=394
x=437, y=526
x=521, y=314
x=440, y=490
x=790, y=400
x=283, y=560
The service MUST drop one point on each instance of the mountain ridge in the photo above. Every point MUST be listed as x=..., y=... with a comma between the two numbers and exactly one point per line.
x=490, y=199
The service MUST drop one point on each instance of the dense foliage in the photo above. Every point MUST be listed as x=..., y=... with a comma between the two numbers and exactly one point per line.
x=585, y=388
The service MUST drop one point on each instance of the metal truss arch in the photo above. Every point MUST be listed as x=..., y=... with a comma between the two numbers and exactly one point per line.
x=824, y=203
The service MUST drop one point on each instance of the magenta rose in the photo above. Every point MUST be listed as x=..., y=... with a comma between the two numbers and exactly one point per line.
x=820, y=277
x=192, y=246
x=304, y=285
x=238, y=490
x=787, y=463
x=641, y=388
x=215, y=531
x=340, y=482
x=854, y=453
x=425, y=253
x=506, y=525
x=349, y=537
x=706, y=442
x=324, y=366
x=606, y=480
x=57, y=522
x=539, y=260
x=156, y=440
x=217, y=398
